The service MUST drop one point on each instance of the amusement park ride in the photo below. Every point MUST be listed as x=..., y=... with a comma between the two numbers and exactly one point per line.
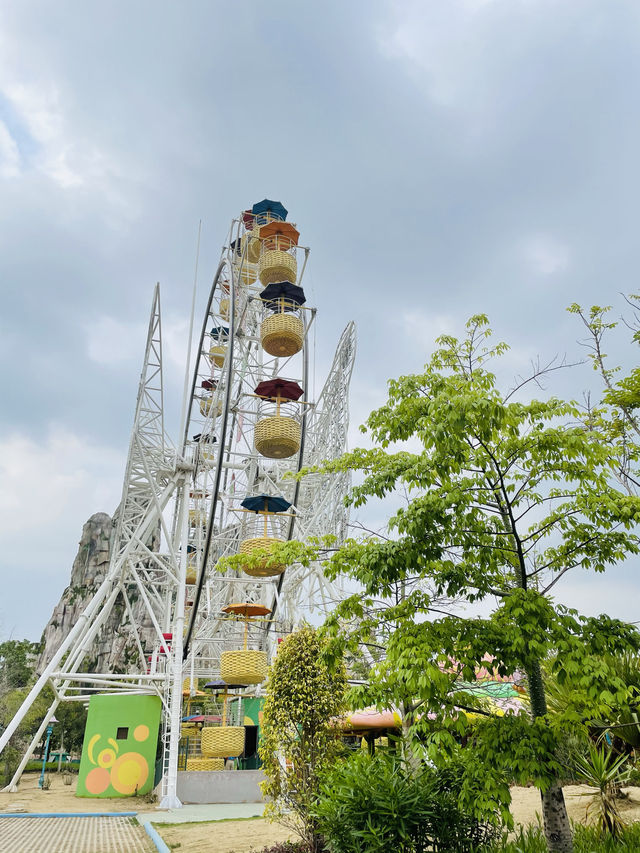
x=248, y=422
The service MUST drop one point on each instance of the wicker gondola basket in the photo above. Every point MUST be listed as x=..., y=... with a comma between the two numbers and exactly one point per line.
x=192, y=574
x=243, y=666
x=222, y=741
x=261, y=543
x=208, y=407
x=198, y=518
x=217, y=353
x=277, y=437
x=247, y=273
x=205, y=764
x=189, y=730
x=282, y=334
x=253, y=247
x=277, y=266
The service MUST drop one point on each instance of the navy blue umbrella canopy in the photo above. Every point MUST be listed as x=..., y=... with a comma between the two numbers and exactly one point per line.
x=275, y=208
x=292, y=293
x=221, y=686
x=265, y=503
x=219, y=332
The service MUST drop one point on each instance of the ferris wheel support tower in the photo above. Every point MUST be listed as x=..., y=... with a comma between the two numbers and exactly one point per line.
x=167, y=491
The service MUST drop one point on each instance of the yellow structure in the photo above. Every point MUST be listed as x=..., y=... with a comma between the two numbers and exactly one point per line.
x=222, y=741
x=277, y=437
x=282, y=334
x=261, y=543
x=205, y=764
x=277, y=265
x=243, y=666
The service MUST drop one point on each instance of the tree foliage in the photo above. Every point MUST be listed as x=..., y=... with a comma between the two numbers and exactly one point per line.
x=377, y=804
x=299, y=734
x=17, y=663
x=506, y=495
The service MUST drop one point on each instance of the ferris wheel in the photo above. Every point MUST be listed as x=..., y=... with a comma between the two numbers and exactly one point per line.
x=226, y=488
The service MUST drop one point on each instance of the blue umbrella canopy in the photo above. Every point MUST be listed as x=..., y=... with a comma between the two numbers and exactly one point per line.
x=292, y=293
x=275, y=208
x=205, y=439
x=219, y=332
x=221, y=686
x=265, y=503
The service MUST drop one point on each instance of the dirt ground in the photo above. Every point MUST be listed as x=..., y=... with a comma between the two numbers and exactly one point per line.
x=61, y=798
x=244, y=836
x=227, y=836
x=252, y=835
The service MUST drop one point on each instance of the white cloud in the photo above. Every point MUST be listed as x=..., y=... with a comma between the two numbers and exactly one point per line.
x=44, y=483
x=422, y=328
x=48, y=488
x=545, y=254
x=113, y=343
x=9, y=154
x=441, y=43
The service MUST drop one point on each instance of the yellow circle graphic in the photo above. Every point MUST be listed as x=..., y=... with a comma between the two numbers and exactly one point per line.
x=129, y=773
x=141, y=732
x=106, y=757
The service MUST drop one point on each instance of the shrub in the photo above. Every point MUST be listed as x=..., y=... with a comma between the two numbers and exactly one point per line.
x=586, y=839
x=299, y=739
x=374, y=805
x=35, y=766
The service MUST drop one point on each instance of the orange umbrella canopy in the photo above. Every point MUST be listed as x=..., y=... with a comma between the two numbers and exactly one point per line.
x=246, y=609
x=280, y=229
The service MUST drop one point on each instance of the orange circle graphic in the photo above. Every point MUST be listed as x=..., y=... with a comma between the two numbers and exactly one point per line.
x=106, y=757
x=141, y=732
x=129, y=773
x=97, y=780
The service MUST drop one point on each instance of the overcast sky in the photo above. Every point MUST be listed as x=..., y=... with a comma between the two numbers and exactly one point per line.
x=440, y=158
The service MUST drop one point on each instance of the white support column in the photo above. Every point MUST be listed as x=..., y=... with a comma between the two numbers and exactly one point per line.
x=52, y=666
x=170, y=799
x=84, y=643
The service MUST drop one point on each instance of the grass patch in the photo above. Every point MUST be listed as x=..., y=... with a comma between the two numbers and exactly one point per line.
x=586, y=839
x=205, y=822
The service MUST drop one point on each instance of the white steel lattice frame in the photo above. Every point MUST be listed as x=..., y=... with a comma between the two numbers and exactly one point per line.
x=205, y=482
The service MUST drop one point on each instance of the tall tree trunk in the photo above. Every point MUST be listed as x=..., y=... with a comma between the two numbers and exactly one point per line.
x=408, y=744
x=557, y=829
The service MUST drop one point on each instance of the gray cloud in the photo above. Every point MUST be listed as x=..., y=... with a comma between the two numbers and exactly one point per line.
x=440, y=159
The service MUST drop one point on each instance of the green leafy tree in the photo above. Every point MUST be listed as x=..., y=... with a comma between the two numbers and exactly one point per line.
x=507, y=495
x=299, y=736
x=17, y=663
x=617, y=416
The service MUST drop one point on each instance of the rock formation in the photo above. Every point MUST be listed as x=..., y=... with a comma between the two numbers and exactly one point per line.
x=114, y=648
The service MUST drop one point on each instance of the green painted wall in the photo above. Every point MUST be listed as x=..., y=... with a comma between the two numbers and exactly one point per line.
x=119, y=749
x=252, y=710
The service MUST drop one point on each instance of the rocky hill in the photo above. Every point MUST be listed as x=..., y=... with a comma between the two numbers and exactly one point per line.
x=113, y=649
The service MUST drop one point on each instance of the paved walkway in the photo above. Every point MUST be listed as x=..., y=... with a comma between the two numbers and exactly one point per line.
x=192, y=813
x=73, y=835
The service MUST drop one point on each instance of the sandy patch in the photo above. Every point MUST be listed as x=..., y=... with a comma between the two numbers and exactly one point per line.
x=233, y=836
x=243, y=836
x=525, y=803
x=61, y=798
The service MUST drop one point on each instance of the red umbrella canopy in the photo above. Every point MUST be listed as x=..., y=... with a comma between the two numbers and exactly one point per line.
x=284, y=388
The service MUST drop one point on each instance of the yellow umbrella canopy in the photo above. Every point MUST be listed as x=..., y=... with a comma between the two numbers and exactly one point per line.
x=246, y=609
